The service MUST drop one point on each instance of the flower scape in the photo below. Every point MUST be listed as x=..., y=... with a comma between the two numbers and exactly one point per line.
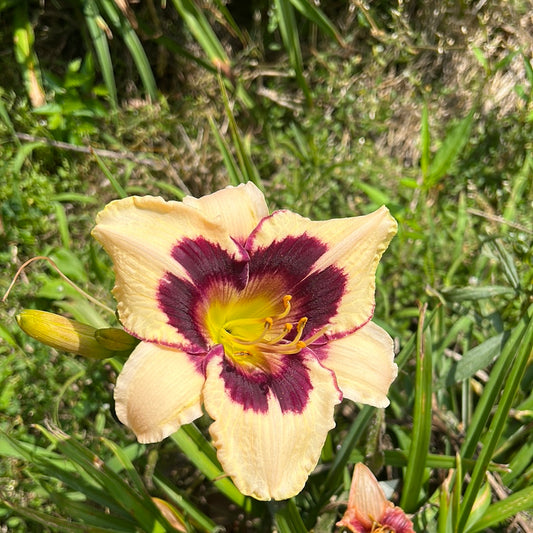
x=262, y=319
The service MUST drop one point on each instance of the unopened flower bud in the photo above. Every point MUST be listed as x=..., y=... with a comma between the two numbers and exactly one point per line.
x=72, y=336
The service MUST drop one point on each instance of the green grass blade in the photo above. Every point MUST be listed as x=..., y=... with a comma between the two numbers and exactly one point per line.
x=200, y=28
x=54, y=466
x=248, y=170
x=74, y=197
x=309, y=10
x=6, y=119
x=497, y=425
x=470, y=294
x=101, y=47
x=62, y=225
x=200, y=521
x=23, y=39
x=126, y=464
x=399, y=458
x=138, y=505
x=8, y=338
x=200, y=452
x=231, y=24
x=449, y=151
x=456, y=492
x=177, y=49
x=507, y=263
x=52, y=522
x=421, y=433
x=288, y=518
x=492, y=388
x=126, y=31
x=170, y=189
x=121, y=192
x=481, y=504
x=409, y=346
x=234, y=173
x=88, y=514
x=444, y=518
x=425, y=143
x=335, y=474
x=291, y=40
x=504, y=510
x=518, y=192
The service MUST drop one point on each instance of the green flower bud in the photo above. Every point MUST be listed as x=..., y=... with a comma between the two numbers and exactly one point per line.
x=71, y=336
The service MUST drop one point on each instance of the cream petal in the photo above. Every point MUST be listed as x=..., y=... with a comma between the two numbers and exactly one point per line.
x=347, y=249
x=140, y=234
x=363, y=363
x=269, y=453
x=157, y=391
x=238, y=209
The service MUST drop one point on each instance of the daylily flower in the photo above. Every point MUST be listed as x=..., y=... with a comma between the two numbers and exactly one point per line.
x=263, y=319
x=368, y=510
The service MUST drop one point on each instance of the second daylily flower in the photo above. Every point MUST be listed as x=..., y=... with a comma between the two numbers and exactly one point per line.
x=263, y=319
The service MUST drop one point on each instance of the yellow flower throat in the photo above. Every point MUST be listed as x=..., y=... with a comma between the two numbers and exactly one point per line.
x=248, y=336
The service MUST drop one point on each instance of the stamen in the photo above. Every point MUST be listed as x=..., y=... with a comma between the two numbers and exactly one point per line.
x=241, y=346
x=314, y=337
x=286, y=330
x=245, y=321
x=300, y=329
x=227, y=335
x=286, y=307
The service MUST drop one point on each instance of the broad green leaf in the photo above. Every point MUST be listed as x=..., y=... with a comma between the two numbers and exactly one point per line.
x=375, y=194
x=477, y=358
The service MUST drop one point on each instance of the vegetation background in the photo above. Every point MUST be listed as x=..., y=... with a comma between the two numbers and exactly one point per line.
x=333, y=108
